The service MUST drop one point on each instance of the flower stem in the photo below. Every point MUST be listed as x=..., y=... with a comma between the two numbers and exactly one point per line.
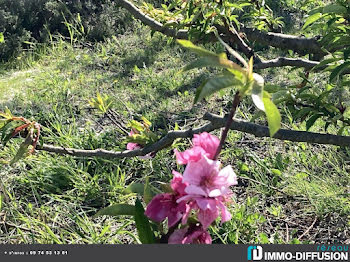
x=235, y=104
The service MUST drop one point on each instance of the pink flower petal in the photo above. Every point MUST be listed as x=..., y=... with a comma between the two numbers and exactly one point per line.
x=208, y=216
x=132, y=146
x=164, y=206
x=195, y=172
x=177, y=184
x=193, y=154
x=190, y=235
x=195, y=190
x=226, y=177
x=225, y=214
x=178, y=236
x=208, y=142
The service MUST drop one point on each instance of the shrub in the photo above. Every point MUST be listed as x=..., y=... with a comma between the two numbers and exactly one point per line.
x=24, y=21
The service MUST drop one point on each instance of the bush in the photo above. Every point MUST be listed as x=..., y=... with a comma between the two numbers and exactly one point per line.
x=24, y=21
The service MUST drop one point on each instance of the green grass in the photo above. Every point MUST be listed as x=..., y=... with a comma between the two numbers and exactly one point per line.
x=48, y=198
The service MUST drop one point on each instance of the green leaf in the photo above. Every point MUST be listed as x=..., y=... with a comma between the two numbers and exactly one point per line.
x=340, y=131
x=23, y=149
x=6, y=115
x=1, y=37
x=273, y=115
x=146, y=122
x=148, y=193
x=142, y=224
x=213, y=61
x=334, y=8
x=324, y=63
x=338, y=70
x=208, y=58
x=117, y=210
x=196, y=49
x=136, y=125
x=316, y=10
x=137, y=188
x=263, y=238
x=257, y=91
x=311, y=121
x=215, y=84
x=312, y=19
x=4, y=122
x=303, y=112
x=8, y=129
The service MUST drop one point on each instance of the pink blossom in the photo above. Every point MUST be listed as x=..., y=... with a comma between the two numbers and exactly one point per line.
x=208, y=142
x=190, y=235
x=203, y=144
x=205, y=178
x=207, y=190
x=166, y=206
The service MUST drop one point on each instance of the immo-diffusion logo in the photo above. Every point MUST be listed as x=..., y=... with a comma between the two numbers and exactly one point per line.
x=322, y=253
x=255, y=253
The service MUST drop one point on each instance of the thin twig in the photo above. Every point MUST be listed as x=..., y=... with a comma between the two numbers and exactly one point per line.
x=308, y=229
x=8, y=225
x=229, y=121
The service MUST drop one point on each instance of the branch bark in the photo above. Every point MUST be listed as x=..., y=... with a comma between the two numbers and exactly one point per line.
x=216, y=122
x=283, y=61
x=299, y=44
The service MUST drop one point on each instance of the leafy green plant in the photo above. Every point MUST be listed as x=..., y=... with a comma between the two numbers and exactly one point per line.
x=245, y=222
x=102, y=103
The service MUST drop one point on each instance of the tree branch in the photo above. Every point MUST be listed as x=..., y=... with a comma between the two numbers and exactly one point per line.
x=216, y=122
x=282, y=134
x=283, y=61
x=164, y=142
x=155, y=25
x=301, y=45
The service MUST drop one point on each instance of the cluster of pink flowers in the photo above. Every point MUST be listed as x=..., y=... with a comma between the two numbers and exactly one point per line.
x=203, y=189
